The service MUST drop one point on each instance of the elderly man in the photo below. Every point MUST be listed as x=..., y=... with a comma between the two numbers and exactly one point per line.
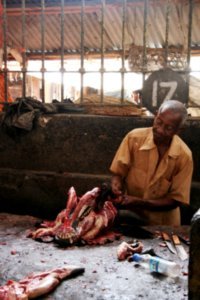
x=155, y=167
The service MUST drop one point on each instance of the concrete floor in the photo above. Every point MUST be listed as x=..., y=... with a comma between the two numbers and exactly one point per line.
x=104, y=278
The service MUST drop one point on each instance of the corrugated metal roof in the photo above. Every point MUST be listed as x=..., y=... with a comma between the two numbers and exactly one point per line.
x=134, y=20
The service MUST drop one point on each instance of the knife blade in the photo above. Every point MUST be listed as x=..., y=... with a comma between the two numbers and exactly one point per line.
x=179, y=247
x=168, y=242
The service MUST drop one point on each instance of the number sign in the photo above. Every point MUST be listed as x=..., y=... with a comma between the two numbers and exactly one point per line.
x=163, y=85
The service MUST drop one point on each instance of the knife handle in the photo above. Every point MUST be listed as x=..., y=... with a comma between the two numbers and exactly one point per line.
x=165, y=236
x=175, y=239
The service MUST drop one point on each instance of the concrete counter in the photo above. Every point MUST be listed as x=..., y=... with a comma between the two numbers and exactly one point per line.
x=104, y=278
x=194, y=270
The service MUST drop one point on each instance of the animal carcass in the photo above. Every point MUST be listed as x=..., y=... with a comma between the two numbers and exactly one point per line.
x=36, y=284
x=86, y=220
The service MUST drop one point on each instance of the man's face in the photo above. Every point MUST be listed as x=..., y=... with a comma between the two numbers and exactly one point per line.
x=166, y=124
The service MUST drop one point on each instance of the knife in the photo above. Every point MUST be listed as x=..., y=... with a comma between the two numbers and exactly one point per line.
x=180, y=249
x=168, y=242
x=185, y=239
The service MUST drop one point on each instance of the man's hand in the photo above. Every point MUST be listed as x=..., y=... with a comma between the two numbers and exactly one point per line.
x=117, y=187
x=116, y=184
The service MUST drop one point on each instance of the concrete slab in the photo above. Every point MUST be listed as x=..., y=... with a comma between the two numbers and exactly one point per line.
x=104, y=278
x=194, y=270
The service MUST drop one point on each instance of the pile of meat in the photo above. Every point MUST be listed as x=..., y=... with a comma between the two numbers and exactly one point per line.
x=86, y=220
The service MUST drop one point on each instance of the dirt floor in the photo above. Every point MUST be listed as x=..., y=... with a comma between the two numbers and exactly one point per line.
x=104, y=277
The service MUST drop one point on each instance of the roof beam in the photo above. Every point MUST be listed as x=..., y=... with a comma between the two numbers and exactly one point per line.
x=91, y=8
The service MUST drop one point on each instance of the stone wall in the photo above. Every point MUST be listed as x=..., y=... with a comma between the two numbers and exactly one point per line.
x=37, y=168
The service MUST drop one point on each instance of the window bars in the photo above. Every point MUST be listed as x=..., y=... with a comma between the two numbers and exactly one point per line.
x=143, y=34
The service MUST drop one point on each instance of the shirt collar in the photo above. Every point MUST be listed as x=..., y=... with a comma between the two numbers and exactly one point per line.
x=148, y=142
x=174, y=149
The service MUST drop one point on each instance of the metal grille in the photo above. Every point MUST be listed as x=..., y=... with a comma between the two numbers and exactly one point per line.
x=128, y=30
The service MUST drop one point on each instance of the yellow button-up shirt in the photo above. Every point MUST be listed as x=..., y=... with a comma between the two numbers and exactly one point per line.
x=136, y=161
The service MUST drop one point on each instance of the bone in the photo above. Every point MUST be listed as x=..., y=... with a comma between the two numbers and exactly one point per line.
x=125, y=250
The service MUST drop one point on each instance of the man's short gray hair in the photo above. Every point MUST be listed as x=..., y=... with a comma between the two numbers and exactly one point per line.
x=176, y=107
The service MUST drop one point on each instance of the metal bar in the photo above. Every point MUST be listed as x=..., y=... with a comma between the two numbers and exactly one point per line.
x=53, y=54
x=62, y=70
x=82, y=70
x=144, y=35
x=144, y=55
x=189, y=30
x=123, y=70
x=5, y=70
x=102, y=70
x=74, y=8
x=167, y=33
x=23, y=50
x=190, y=14
x=90, y=72
x=75, y=72
x=1, y=25
x=43, y=49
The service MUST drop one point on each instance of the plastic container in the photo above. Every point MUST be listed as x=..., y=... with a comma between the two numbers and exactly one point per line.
x=157, y=264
